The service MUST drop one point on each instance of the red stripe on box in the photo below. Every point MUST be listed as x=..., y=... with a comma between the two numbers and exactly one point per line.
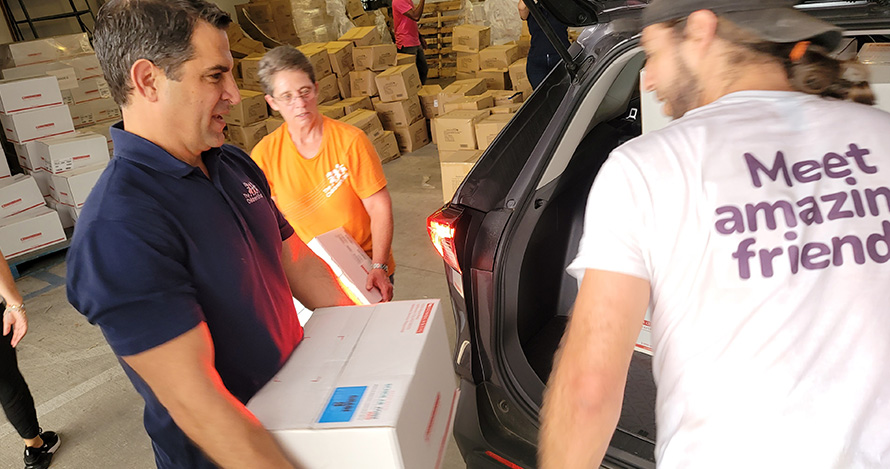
x=429, y=425
x=425, y=318
x=26, y=209
x=34, y=107
x=11, y=203
x=447, y=426
x=45, y=136
x=10, y=256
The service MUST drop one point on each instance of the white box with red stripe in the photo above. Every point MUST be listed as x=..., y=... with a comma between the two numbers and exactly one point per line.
x=30, y=231
x=29, y=93
x=27, y=126
x=69, y=152
x=18, y=194
x=369, y=386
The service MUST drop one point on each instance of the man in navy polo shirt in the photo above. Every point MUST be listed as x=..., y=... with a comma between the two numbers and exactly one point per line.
x=180, y=256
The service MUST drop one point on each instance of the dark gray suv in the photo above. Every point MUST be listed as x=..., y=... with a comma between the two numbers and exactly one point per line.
x=514, y=224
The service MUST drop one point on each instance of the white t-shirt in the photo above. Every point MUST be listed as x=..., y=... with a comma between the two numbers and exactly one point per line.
x=762, y=223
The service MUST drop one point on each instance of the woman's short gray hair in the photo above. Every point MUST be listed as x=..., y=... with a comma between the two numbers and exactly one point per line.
x=280, y=59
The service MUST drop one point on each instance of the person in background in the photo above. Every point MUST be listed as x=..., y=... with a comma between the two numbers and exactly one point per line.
x=15, y=397
x=180, y=255
x=405, y=16
x=324, y=173
x=753, y=228
x=542, y=56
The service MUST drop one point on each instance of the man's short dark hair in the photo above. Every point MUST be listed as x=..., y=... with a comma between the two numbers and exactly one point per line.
x=155, y=30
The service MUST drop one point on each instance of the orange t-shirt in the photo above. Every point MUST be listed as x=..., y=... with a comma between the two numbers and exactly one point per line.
x=325, y=192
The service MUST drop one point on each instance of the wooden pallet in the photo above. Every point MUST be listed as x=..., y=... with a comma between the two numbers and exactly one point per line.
x=436, y=27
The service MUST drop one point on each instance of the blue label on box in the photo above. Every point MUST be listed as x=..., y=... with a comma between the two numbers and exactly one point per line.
x=343, y=404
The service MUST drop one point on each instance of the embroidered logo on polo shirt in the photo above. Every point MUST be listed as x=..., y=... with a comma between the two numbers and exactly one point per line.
x=335, y=177
x=253, y=192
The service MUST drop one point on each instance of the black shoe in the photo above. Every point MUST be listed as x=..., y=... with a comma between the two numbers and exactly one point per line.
x=40, y=458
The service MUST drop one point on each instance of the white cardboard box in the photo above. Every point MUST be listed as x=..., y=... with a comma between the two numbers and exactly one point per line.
x=90, y=90
x=68, y=152
x=71, y=188
x=44, y=181
x=66, y=214
x=65, y=74
x=29, y=231
x=349, y=262
x=369, y=386
x=4, y=166
x=29, y=93
x=103, y=129
x=26, y=126
x=44, y=50
x=18, y=194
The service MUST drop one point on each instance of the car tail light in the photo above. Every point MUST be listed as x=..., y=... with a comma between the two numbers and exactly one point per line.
x=441, y=226
x=502, y=460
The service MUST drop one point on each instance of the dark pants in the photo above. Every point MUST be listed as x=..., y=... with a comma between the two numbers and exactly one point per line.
x=422, y=67
x=538, y=67
x=15, y=397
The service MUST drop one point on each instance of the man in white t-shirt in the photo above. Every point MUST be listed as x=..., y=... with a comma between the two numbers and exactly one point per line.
x=757, y=228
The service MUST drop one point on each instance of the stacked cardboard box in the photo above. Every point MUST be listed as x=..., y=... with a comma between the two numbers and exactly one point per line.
x=399, y=106
x=80, y=80
x=246, y=121
x=273, y=17
x=470, y=117
x=241, y=44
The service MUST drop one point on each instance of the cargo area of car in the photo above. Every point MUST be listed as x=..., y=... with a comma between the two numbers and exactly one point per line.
x=544, y=242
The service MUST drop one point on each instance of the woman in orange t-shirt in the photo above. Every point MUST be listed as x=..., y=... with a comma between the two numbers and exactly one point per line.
x=324, y=173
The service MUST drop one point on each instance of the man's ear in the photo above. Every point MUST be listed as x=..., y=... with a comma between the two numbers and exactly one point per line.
x=700, y=32
x=146, y=77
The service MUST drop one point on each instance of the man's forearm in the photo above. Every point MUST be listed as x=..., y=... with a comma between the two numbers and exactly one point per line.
x=417, y=11
x=573, y=406
x=243, y=444
x=311, y=281
x=181, y=374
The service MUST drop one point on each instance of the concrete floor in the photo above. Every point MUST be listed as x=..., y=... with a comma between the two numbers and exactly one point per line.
x=80, y=389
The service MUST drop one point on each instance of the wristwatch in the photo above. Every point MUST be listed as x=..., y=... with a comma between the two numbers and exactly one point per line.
x=383, y=267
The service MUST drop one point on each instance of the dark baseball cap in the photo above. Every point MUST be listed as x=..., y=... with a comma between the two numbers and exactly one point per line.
x=772, y=20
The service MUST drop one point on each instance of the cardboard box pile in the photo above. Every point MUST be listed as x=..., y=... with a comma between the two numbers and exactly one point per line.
x=368, y=385
x=75, y=67
x=273, y=17
x=469, y=118
x=455, y=166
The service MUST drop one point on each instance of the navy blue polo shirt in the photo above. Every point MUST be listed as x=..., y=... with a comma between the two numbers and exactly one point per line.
x=160, y=248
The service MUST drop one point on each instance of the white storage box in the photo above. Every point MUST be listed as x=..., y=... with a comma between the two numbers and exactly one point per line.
x=65, y=75
x=71, y=188
x=66, y=213
x=29, y=231
x=369, y=386
x=103, y=129
x=18, y=194
x=4, y=166
x=349, y=262
x=90, y=90
x=44, y=181
x=69, y=152
x=26, y=126
x=29, y=93
x=644, y=339
x=44, y=50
